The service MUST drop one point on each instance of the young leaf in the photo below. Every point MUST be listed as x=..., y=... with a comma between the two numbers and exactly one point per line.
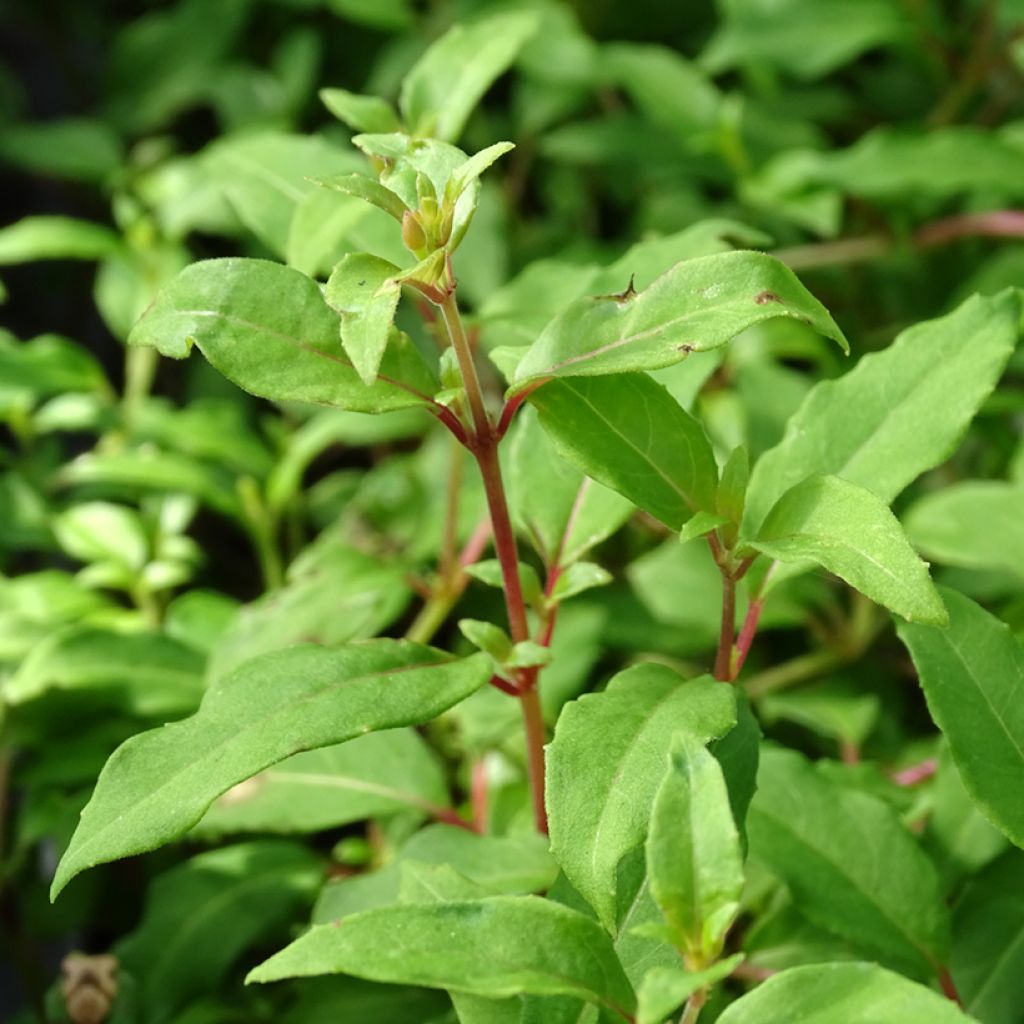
x=577, y=578
x=361, y=113
x=363, y=289
x=842, y=993
x=268, y=329
x=495, y=947
x=849, y=531
x=898, y=412
x=972, y=674
x=698, y=305
x=367, y=189
x=693, y=852
x=664, y=989
x=849, y=862
x=628, y=433
x=160, y=783
x=448, y=81
x=607, y=761
x=466, y=173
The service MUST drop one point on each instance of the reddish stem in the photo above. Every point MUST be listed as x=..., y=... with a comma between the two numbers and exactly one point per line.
x=478, y=794
x=990, y=224
x=511, y=407
x=723, y=659
x=916, y=773
x=948, y=987
x=448, y=816
x=747, y=633
x=504, y=685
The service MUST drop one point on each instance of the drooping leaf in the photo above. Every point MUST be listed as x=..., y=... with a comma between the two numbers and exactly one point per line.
x=483, y=952
x=971, y=674
x=368, y=190
x=849, y=531
x=842, y=993
x=448, y=81
x=202, y=915
x=898, y=412
x=160, y=783
x=373, y=775
x=607, y=761
x=628, y=433
x=698, y=304
x=851, y=865
x=267, y=328
x=693, y=851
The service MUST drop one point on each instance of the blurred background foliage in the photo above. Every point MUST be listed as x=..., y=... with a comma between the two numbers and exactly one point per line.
x=159, y=527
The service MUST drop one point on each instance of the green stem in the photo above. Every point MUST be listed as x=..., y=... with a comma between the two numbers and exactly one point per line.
x=140, y=363
x=694, y=1005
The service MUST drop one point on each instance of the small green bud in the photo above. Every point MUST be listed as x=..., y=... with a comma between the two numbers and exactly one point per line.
x=413, y=235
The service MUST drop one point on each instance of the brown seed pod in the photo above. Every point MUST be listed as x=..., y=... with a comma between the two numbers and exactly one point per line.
x=89, y=986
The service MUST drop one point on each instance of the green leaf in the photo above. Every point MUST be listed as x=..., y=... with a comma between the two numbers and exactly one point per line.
x=898, y=412
x=361, y=113
x=483, y=952
x=365, y=291
x=842, y=993
x=487, y=637
x=698, y=305
x=577, y=578
x=371, y=776
x=971, y=674
x=628, y=433
x=144, y=674
x=850, y=864
x=987, y=961
x=803, y=38
x=48, y=365
x=465, y=174
x=448, y=81
x=367, y=189
x=693, y=852
x=500, y=864
x=489, y=572
x=606, y=762
x=98, y=530
x=265, y=175
x=75, y=148
x=55, y=238
x=201, y=916
x=564, y=513
x=160, y=783
x=664, y=989
x=978, y=524
x=268, y=329
x=847, y=530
